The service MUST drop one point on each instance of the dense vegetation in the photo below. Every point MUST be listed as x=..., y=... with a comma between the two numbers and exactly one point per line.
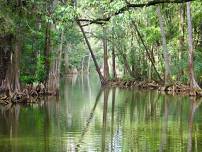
x=142, y=40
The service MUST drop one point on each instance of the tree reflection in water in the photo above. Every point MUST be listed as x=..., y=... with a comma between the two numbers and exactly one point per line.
x=194, y=106
x=88, y=119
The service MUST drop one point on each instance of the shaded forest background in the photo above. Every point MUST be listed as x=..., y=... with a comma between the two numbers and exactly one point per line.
x=40, y=41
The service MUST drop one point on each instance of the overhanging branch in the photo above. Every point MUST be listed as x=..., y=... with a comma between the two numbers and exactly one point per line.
x=131, y=6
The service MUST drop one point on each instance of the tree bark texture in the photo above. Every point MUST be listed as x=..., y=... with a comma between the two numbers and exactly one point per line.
x=5, y=58
x=165, y=49
x=10, y=63
x=54, y=73
x=114, y=62
x=106, y=66
x=193, y=83
x=181, y=37
x=47, y=51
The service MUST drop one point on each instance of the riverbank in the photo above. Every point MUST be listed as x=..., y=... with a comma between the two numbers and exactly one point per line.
x=29, y=94
x=175, y=88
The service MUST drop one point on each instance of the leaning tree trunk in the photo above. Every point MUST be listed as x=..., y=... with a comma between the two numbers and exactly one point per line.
x=165, y=49
x=193, y=83
x=147, y=50
x=102, y=79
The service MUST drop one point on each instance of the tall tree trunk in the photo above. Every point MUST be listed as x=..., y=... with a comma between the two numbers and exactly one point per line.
x=82, y=65
x=150, y=72
x=193, y=83
x=200, y=44
x=12, y=82
x=102, y=79
x=114, y=62
x=54, y=72
x=114, y=74
x=66, y=57
x=181, y=37
x=5, y=59
x=15, y=67
x=106, y=66
x=88, y=67
x=47, y=52
x=165, y=49
x=126, y=64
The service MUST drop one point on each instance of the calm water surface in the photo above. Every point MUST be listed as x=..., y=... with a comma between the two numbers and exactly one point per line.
x=86, y=118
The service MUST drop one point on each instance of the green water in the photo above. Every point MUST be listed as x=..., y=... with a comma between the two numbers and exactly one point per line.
x=86, y=118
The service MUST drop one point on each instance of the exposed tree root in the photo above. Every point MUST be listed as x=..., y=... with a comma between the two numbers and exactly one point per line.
x=29, y=94
x=173, y=88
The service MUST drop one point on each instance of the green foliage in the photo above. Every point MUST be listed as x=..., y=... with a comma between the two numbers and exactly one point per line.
x=27, y=79
x=40, y=69
x=127, y=77
x=30, y=20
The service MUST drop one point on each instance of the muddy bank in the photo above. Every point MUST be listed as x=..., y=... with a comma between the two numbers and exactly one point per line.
x=175, y=88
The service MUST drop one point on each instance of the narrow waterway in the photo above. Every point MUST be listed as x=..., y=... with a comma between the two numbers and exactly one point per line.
x=86, y=118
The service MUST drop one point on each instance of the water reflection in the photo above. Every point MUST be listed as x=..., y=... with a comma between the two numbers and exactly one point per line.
x=104, y=118
x=163, y=142
x=85, y=130
x=86, y=118
x=194, y=106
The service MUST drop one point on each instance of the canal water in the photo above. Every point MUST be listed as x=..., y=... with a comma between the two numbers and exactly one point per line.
x=87, y=118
